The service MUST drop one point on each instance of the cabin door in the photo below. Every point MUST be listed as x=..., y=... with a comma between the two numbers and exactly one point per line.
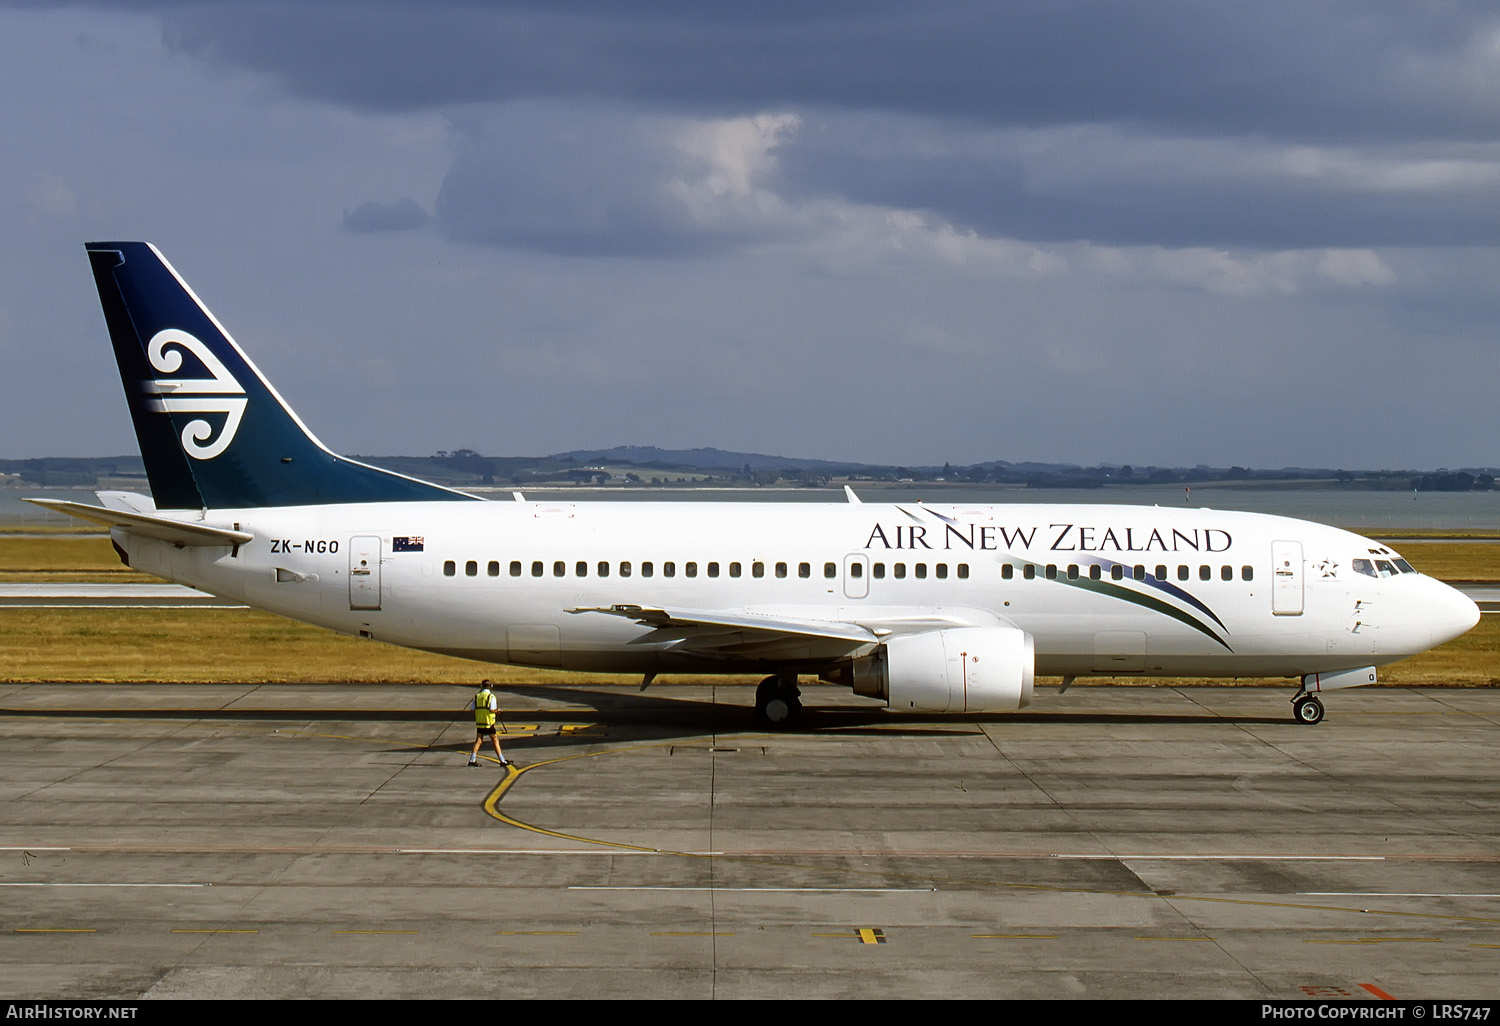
x=1286, y=578
x=364, y=572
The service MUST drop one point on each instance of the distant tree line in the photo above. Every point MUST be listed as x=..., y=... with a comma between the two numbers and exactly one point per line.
x=1450, y=481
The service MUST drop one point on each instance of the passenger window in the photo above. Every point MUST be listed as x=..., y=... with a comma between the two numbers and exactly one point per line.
x=1138, y=572
x=690, y=569
x=1028, y=572
x=1247, y=573
x=494, y=568
x=734, y=569
x=559, y=569
x=471, y=569
x=856, y=570
x=624, y=568
x=713, y=569
x=1095, y=572
x=757, y=569
x=1051, y=571
x=515, y=568
x=669, y=569
x=880, y=571
x=1072, y=571
x=963, y=571
x=1161, y=572
x=536, y=568
x=647, y=568
x=898, y=570
x=1182, y=573
x=804, y=569
x=1006, y=572
x=942, y=570
x=780, y=569
x=602, y=569
x=1117, y=572
x=1205, y=573
x=1226, y=572
x=450, y=568
x=831, y=570
x=581, y=569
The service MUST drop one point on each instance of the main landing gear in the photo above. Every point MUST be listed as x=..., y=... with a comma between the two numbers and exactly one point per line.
x=778, y=703
x=1306, y=708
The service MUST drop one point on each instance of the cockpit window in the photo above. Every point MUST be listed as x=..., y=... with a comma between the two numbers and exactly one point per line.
x=1382, y=567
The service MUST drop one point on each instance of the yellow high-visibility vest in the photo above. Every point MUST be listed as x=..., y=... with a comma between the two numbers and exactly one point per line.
x=484, y=716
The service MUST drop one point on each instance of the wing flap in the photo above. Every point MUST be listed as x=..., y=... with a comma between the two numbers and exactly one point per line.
x=717, y=633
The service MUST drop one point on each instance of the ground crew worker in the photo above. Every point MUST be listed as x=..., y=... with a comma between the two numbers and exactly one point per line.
x=485, y=707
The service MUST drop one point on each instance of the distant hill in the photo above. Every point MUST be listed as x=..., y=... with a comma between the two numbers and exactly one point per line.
x=648, y=465
x=701, y=459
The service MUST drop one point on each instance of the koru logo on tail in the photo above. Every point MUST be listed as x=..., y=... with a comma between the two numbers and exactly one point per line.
x=220, y=393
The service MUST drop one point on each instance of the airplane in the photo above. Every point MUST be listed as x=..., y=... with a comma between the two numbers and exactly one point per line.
x=935, y=609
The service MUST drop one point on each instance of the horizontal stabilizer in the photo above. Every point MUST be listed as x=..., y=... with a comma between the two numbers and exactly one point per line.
x=160, y=528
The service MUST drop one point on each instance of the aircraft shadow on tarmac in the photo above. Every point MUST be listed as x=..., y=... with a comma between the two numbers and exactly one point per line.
x=634, y=717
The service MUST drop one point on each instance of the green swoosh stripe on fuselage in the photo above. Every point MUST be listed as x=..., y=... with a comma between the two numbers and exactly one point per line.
x=1112, y=590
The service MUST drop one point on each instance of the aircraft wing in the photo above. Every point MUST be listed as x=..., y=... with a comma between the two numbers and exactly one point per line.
x=721, y=634
x=176, y=532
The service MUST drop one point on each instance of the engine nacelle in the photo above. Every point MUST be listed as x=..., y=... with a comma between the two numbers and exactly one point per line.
x=958, y=670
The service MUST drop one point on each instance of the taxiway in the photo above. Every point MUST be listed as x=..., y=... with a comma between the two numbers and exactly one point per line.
x=328, y=841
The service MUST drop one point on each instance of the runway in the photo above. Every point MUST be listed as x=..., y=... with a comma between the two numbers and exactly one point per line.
x=328, y=841
x=29, y=595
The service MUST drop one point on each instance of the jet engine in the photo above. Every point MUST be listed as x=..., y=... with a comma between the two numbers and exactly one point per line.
x=958, y=670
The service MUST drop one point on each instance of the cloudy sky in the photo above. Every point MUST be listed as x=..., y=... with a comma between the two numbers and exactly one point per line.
x=1164, y=232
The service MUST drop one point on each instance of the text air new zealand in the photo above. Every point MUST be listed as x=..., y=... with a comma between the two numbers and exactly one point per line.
x=941, y=609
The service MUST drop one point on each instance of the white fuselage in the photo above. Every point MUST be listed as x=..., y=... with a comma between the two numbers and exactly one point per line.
x=1101, y=589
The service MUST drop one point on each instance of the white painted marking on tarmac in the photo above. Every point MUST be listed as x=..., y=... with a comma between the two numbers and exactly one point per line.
x=55, y=884
x=766, y=890
x=1395, y=894
x=1148, y=857
x=540, y=851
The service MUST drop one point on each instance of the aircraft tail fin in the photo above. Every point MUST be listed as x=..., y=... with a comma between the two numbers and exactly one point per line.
x=213, y=431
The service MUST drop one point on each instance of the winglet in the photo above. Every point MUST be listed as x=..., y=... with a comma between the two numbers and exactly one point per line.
x=853, y=499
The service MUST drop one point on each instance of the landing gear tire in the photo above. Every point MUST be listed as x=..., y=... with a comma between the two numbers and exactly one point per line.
x=1307, y=709
x=778, y=704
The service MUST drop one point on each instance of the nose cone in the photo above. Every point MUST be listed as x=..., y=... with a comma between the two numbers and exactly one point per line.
x=1449, y=613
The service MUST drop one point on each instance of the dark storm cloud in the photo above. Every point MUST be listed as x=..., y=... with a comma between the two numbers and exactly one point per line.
x=1105, y=187
x=401, y=216
x=1379, y=80
x=568, y=182
x=1289, y=69
x=866, y=177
